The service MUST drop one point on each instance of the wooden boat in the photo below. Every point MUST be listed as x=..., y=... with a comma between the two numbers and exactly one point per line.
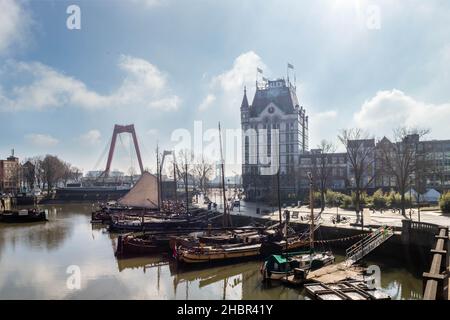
x=142, y=244
x=23, y=216
x=119, y=224
x=221, y=246
x=169, y=209
x=204, y=253
x=278, y=266
x=294, y=243
x=142, y=199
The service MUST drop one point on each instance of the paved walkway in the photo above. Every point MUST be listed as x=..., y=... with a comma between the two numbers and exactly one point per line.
x=377, y=218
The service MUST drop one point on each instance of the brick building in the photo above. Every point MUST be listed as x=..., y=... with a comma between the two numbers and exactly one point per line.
x=9, y=174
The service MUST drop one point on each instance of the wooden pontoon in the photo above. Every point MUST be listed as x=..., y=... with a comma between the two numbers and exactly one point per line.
x=345, y=290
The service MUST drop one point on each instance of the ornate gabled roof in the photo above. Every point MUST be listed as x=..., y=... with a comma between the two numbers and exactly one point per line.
x=278, y=93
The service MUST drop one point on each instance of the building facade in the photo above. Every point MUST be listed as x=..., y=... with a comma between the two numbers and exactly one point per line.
x=9, y=174
x=334, y=171
x=275, y=133
x=431, y=160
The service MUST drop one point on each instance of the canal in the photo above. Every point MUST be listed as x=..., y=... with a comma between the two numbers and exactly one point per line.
x=36, y=261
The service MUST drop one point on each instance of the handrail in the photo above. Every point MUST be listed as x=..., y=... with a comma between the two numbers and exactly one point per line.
x=369, y=243
x=371, y=237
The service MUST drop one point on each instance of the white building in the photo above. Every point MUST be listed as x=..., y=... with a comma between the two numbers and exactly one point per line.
x=275, y=109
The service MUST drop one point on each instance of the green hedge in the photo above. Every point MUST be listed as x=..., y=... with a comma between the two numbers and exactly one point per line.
x=379, y=200
x=444, y=202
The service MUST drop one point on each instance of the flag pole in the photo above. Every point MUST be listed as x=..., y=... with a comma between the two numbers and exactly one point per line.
x=287, y=73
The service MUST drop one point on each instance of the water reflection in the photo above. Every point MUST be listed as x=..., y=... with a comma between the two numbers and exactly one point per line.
x=38, y=256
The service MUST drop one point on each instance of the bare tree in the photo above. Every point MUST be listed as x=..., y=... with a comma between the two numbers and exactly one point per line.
x=184, y=160
x=29, y=173
x=400, y=159
x=203, y=171
x=76, y=174
x=67, y=174
x=322, y=168
x=361, y=157
x=53, y=171
x=38, y=171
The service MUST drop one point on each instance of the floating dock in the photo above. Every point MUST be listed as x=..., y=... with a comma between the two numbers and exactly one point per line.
x=329, y=274
x=345, y=290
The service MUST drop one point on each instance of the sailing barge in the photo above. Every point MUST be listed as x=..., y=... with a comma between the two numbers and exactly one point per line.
x=142, y=244
x=195, y=218
x=243, y=245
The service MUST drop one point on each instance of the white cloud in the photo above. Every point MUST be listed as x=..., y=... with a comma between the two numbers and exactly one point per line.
x=326, y=115
x=41, y=140
x=207, y=102
x=166, y=104
x=150, y=3
x=13, y=22
x=226, y=89
x=322, y=125
x=152, y=132
x=390, y=109
x=92, y=137
x=243, y=72
x=143, y=85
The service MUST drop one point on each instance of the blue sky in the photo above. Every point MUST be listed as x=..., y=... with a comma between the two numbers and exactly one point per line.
x=161, y=64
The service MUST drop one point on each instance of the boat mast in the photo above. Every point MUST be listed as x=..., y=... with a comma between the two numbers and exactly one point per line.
x=175, y=177
x=225, y=214
x=311, y=205
x=278, y=187
x=186, y=186
x=158, y=175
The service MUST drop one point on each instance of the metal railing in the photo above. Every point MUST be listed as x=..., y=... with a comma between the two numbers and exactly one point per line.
x=368, y=244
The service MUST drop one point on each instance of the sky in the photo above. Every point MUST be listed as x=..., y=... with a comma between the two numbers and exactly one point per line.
x=162, y=65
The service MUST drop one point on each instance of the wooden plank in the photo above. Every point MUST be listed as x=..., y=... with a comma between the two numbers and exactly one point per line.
x=430, y=290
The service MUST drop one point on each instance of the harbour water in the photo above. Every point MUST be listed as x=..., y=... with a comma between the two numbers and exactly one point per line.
x=40, y=261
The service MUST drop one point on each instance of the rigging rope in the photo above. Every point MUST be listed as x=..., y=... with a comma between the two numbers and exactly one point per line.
x=341, y=239
x=131, y=157
x=103, y=154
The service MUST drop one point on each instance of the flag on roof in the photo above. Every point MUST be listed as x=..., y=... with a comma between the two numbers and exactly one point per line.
x=259, y=70
x=290, y=66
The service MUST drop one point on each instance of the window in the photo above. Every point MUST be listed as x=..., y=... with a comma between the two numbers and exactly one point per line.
x=247, y=150
x=305, y=161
